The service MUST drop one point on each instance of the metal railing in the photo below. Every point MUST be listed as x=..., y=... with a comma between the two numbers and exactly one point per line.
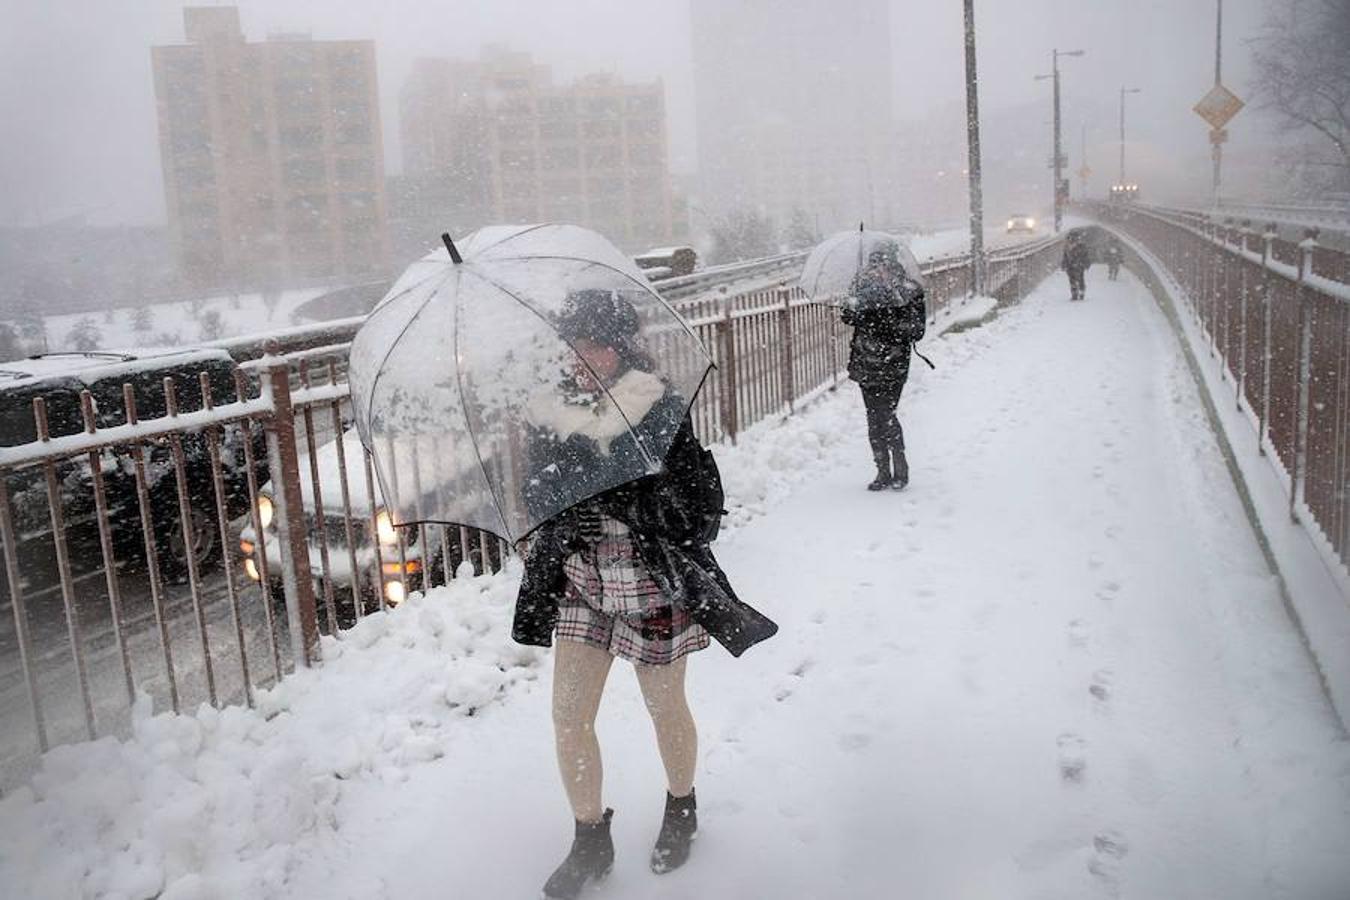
x=1281, y=331
x=199, y=556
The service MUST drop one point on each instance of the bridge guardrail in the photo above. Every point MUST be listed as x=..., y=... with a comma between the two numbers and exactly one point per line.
x=312, y=553
x=1281, y=330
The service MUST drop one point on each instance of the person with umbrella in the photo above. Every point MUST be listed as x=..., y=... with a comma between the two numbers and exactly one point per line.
x=570, y=381
x=1077, y=258
x=876, y=280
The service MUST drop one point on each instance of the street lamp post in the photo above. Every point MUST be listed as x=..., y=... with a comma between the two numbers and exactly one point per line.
x=1218, y=79
x=1123, y=92
x=973, y=148
x=1058, y=162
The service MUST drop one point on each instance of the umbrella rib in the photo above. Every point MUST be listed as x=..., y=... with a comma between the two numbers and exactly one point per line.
x=513, y=236
x=379, y=370
x=384, y=305
x=468, y=423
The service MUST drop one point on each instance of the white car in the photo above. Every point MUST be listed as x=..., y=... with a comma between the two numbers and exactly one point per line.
x=1019, y=222
x=403, y=562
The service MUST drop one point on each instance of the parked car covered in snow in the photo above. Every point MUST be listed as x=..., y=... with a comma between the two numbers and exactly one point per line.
x=59, y=380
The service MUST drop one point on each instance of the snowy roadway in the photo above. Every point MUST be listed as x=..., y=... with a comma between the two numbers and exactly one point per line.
x=1054, y=667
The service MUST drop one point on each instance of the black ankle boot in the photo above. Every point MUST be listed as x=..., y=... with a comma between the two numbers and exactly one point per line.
x=883, y=479
x=900, y=477
x=591, y=858
x=678, y=827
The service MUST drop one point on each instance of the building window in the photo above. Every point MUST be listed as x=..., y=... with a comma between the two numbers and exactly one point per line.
x=602, y=106
x=558, y=129
x=360, y=168
x=561, y=156
x=648, y=105
x=303, y=171
x=301, y=137
x=600, y=128
x=351, y=135
x=602, y=156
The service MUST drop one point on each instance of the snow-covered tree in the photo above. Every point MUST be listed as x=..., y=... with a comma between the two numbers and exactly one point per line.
x=10, y=345
x=1302, y=75
x=742, y=234
x=85, y=335
x=212, y=325
x=141, y=319
x=801, y=231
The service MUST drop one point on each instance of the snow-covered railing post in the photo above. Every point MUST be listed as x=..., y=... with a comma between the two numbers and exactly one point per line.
x=1244, y=231
x=284, y=463
x=1263, y=419
x=726, y=339
x=1303, y=370
x=786, y=351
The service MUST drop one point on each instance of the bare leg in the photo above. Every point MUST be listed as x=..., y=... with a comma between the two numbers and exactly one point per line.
x=676, y=735
x=579, y=674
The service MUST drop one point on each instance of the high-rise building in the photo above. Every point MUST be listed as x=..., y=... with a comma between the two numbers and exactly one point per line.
x=495, y=140
x=793, y=107
x=272, y=155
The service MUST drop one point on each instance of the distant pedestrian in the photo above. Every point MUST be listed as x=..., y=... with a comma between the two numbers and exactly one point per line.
x=1077, y=259
x=888, y=316
x=626, y=574
x=1114, y=255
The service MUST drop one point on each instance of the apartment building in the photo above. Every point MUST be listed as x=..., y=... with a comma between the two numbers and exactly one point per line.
x=272, y=156
x=501, y=142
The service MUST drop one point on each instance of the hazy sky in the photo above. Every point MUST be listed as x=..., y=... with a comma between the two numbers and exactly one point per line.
x=77, y=99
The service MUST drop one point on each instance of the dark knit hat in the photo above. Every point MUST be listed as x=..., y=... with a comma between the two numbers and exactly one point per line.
x=600, y=316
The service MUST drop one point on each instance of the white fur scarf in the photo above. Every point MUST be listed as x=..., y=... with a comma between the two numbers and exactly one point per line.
x=635, y=393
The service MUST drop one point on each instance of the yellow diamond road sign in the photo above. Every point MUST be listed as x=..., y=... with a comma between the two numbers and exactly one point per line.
x=1218, y=106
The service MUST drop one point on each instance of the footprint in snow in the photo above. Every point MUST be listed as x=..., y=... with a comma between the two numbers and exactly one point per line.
x=1078, y=633
x=1072, y=758
x=1100, y=688
x=1109, y=848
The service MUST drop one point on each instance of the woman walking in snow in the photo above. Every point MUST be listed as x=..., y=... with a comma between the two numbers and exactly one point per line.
x=887, y=318
x=626, y=574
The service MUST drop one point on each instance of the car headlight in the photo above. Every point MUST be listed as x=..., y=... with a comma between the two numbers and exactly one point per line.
x=1031, y=223
x=265, y=510
x=384, y=528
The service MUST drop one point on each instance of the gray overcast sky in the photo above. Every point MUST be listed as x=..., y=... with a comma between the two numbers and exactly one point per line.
x=77, y=100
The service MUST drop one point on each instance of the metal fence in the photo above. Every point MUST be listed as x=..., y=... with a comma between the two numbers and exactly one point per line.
x=1277, y=315
x=199, y=556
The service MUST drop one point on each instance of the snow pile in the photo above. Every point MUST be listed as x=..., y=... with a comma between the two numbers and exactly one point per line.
x=214, y=804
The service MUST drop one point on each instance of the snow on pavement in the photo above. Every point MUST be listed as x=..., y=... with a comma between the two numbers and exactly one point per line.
x=1054, y=667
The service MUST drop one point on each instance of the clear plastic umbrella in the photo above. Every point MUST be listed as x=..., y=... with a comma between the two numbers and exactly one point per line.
x=839, y=265
x=505, y=380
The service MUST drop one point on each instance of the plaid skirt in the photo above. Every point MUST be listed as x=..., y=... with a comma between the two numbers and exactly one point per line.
x=611, y=602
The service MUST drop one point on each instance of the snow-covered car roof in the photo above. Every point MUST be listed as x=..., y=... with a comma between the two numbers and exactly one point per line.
x=91, y=366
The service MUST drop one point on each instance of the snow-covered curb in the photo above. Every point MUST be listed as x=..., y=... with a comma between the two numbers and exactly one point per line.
x=1317, y=589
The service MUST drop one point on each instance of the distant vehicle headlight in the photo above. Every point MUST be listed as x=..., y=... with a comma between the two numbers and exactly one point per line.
x=265, y=510
x=384, y=528
x=1031, y=223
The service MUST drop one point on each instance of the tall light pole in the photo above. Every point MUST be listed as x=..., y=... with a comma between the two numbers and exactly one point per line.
x=1218, y=79
x=973, y=147
x=1123, y=92
x=1058, y=162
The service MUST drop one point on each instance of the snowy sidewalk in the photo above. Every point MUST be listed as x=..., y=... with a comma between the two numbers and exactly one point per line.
x=1054, y=667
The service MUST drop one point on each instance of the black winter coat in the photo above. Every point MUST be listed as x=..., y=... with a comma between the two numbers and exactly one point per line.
x=1077, y=257
x=668, y=515
x=882, y=340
